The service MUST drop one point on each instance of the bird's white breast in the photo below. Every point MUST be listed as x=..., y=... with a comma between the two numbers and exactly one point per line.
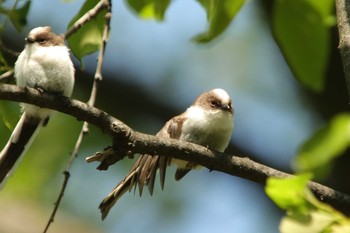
x=208, y=128
x=49, y=68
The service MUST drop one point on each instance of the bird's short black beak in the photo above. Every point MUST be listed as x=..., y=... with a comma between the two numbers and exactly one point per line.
x=227, y=107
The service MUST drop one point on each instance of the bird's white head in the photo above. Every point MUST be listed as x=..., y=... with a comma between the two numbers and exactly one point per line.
x=43, y=36
x=215, y=100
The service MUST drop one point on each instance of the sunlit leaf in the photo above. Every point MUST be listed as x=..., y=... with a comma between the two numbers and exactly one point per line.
x=302, y=30
x=328, y=143
x=150, y=9
x=341, y=228
x=318, y=222
x=18, y=16
x=88, y=38
x=219, y=14
x=304, y=213
x=289, y=193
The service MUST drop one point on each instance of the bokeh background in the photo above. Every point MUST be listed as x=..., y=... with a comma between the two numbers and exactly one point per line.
x=153, y=71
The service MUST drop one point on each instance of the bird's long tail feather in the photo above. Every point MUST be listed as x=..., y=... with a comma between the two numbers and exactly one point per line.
x=16, y=146
x=142, y=173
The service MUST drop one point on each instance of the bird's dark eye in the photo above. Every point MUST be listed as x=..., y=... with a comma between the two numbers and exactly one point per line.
x=214, y=103
x=41, y=40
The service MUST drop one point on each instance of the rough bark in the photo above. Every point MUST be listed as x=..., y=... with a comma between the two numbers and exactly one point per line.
x=127, y=142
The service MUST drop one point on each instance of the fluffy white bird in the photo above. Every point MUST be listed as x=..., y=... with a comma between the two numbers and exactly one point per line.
x=44, y=64
x=207, y=122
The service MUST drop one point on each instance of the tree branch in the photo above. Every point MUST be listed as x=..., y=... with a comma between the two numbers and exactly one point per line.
x=128, y=142
x=343, y=21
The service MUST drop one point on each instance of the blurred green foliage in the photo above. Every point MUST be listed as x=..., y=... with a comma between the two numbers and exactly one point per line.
x=17, y=14
x=326, y=144
x=305, y=214
x=46, y=156
x=88, y=38
x=9, y=114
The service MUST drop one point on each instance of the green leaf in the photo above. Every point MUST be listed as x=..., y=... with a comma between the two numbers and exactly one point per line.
x=3, y=10
x=289, y=193
x=3, y=62
x=88, y=38
x=9, y=114
x=219, y=14
x=302, y=30
x=305, y=213
x=327, y=143
x=150, y=9
x=18, y=16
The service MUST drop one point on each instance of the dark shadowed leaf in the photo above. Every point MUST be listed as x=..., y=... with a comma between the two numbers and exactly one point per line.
x=3, y=63
x=302, y=30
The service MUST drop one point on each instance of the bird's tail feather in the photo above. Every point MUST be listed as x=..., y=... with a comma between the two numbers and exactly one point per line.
x=125, y=185
x=21, y=138
x=142, y=173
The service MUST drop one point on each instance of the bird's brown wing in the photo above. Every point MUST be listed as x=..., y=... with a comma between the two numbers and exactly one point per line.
x=144, y=170
x=172, y=129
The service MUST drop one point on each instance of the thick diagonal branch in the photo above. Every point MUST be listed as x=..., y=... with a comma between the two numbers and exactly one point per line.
x=343, y=22
x=127, y=141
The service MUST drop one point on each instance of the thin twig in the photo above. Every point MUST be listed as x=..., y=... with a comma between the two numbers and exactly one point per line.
x=97, y=78
x=7, y=74
x=66, y=177
x=87, y=17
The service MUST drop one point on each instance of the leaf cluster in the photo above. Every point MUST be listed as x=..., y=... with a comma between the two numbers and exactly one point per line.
x=304, y=212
